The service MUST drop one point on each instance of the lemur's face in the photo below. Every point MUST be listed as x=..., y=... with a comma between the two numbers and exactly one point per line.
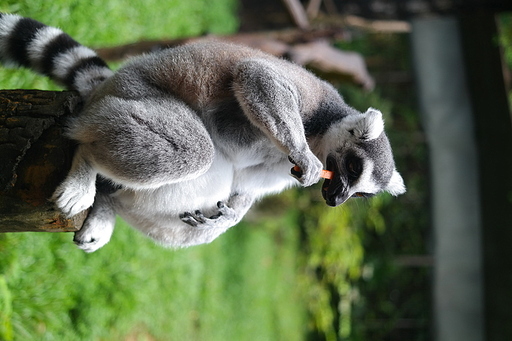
x=360, y=157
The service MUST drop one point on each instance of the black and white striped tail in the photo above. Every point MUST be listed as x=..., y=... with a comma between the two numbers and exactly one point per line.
x=29, y=43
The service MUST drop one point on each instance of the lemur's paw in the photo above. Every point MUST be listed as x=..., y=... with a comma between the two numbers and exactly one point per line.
x=72, y=197
x=93, y=235
x=225, y=218
x=310, y=168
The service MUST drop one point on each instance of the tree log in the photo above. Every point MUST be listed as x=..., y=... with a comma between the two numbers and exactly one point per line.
x=35, y=159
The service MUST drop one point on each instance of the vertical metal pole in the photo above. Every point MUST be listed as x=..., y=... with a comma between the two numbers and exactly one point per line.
x=448, y=121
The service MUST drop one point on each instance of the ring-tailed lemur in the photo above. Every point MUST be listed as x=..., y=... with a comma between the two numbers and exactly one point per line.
x=191, y=137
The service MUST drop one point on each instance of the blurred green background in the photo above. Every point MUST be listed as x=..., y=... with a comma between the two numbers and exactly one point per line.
x=294, y=269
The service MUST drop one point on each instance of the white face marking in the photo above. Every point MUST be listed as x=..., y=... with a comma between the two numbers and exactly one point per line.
x=396, y=185
x=365, y=183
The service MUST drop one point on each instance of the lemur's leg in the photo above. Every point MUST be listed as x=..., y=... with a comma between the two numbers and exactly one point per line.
x=76, y=193
x=98, y=226
x=135, y=143
x=145, y=143
x=271, y=102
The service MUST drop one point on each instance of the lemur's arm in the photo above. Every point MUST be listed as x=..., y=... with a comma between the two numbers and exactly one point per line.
x=271, y=102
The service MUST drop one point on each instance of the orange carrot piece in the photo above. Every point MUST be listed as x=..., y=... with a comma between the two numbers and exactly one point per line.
x=323, y=174
x=326, y=174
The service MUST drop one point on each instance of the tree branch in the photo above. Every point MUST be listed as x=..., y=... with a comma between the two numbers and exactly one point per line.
x=273, y=42
x=307, y=48
x=35, y=159
x=298, y=13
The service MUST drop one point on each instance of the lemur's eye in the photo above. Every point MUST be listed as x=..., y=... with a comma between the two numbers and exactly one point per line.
x=354, y=168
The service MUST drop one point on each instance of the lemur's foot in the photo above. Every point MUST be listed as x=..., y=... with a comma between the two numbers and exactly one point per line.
x=73, y=196
x=225, y=218
x=95, y=233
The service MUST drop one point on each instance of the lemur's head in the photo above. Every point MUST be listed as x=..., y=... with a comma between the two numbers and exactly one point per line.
x=358, y=152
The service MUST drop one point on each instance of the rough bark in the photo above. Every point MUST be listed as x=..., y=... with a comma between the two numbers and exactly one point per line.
x=35, y=158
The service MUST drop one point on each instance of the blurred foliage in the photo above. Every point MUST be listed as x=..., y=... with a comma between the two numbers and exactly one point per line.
x=356, y=290
x=395, y=300
x=505, y=40
x=333, y=258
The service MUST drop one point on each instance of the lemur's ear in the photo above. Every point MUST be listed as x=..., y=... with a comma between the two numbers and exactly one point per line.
x=396, y=184
x=367, y=126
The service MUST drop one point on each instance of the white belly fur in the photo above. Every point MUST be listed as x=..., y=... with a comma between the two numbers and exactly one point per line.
x=156, y=212
x=173, y=199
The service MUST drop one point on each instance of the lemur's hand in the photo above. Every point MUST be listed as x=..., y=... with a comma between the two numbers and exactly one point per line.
x=226, y=217
x=310, y=168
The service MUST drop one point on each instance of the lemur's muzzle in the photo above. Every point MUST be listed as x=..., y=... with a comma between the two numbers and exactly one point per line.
x=334, y=190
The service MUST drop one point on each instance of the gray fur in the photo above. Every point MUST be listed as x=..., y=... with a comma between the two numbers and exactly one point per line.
x=193, y=136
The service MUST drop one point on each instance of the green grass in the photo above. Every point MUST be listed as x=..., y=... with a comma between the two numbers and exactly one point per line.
x=242, y=286
x=99, y=23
